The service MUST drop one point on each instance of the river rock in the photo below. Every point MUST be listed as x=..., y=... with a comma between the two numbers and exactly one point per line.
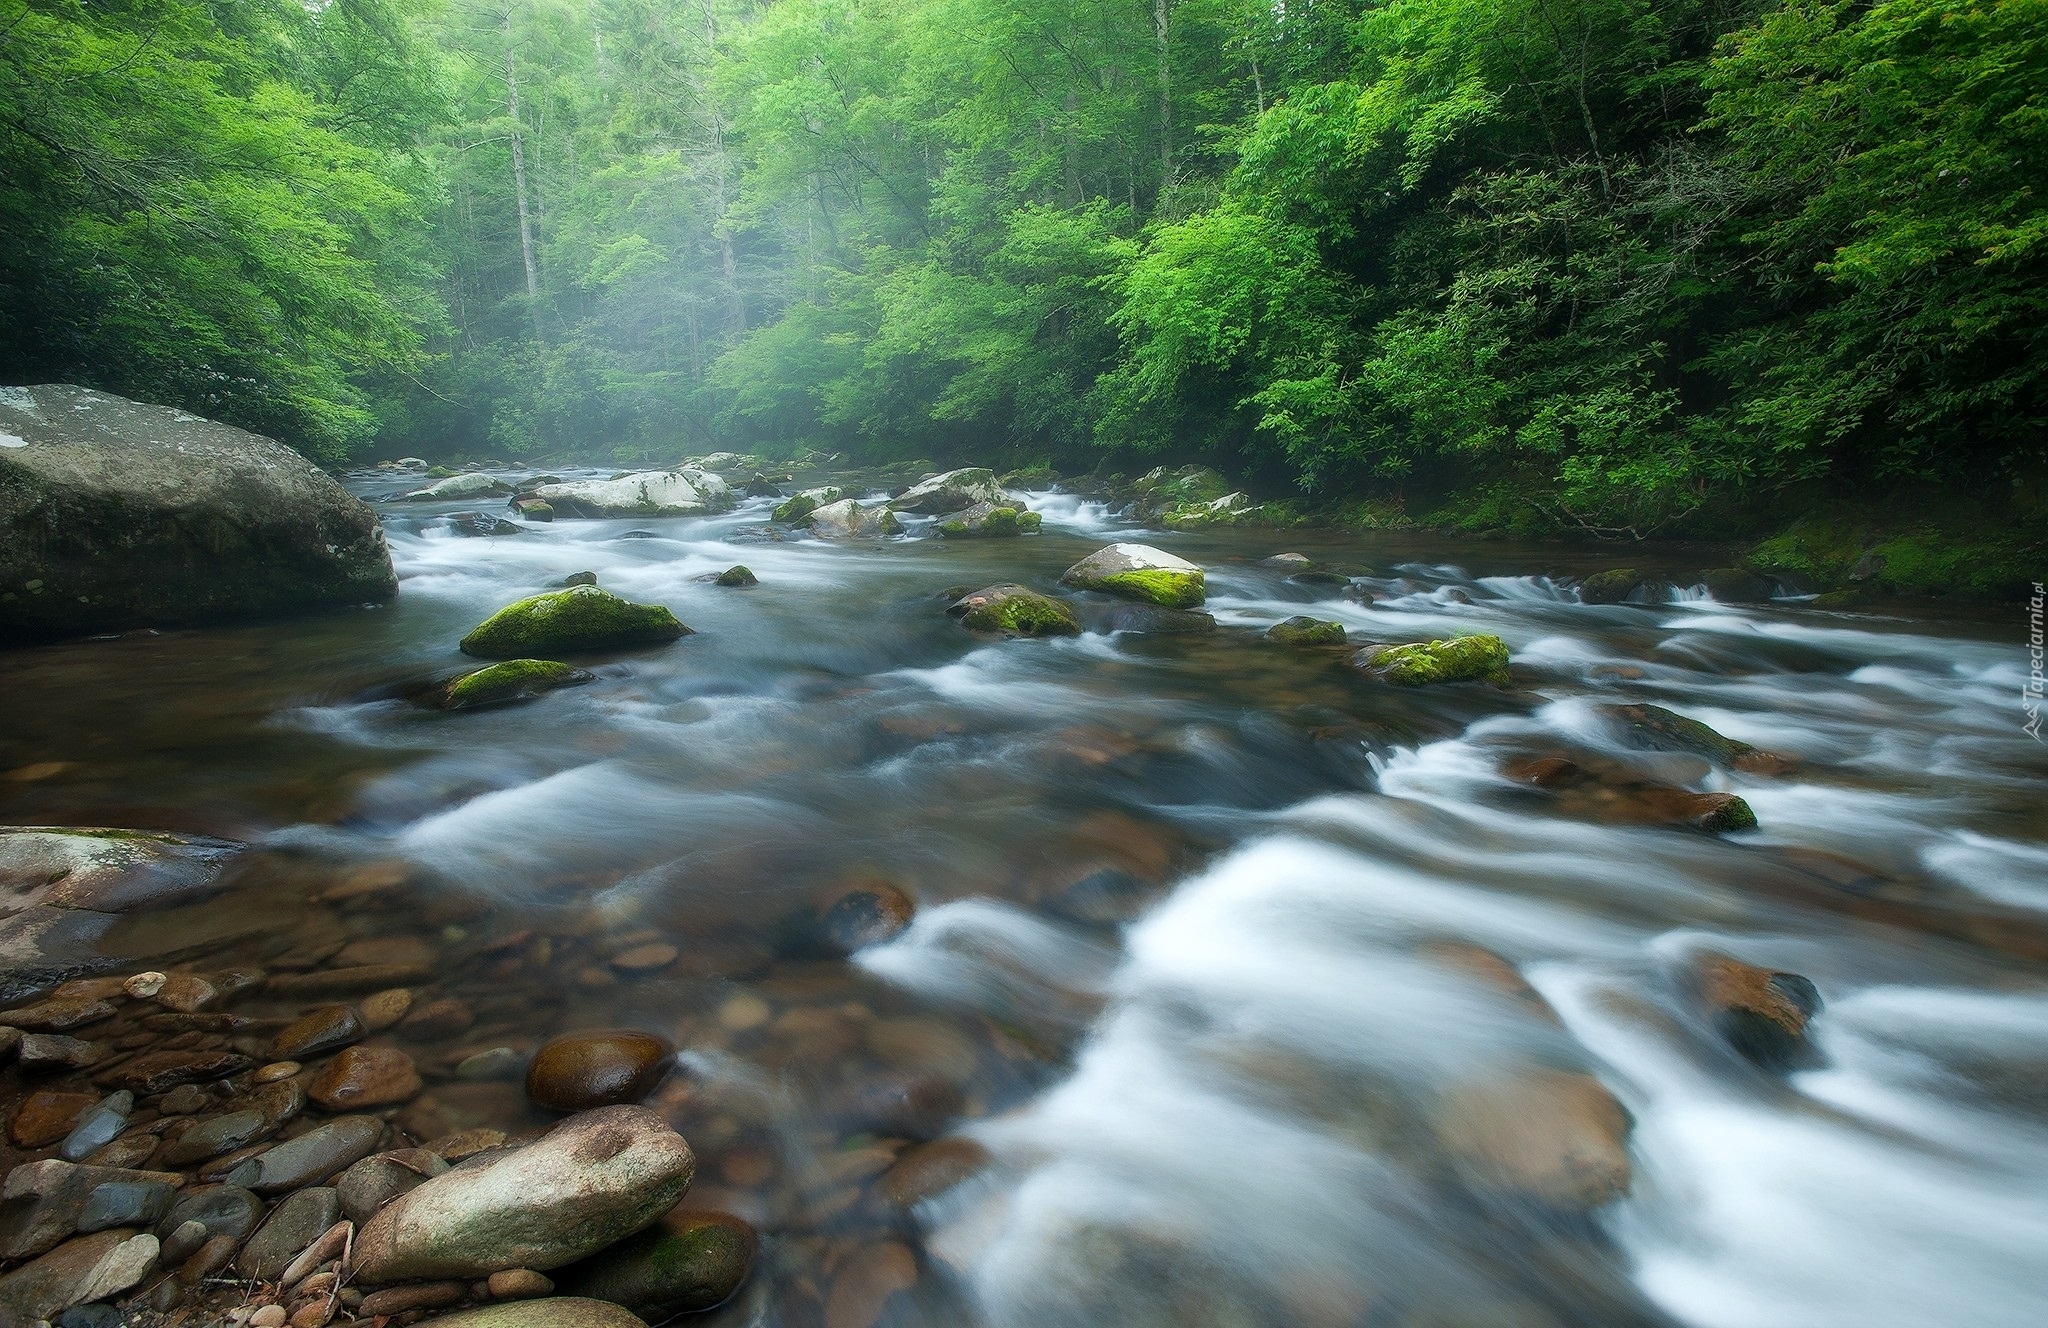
x=41, y=1202
x=58, y=1015
x=382, y=1010
x=482, y=525
x=519, y=1284
x=1556, y=1138
x=318, y=1031
x=291, y=1227
x=77, y=1273
x=1140, y=572
x=929, y=1170
x=988, y=521
x=1421, y=663
x=224, y=1210
x=513, y=680
x=1761, y=1013
x=355, y=977
x=1610, y=587
x=38, y=1053
x=867, y=1278
x=123, y=515
x=106, y=871
x=1733, y=585
x=687, y=491
x=317, y=1154
x=529, y=508
x=851, y=519
x=438, y=1019
x=1305, y=631
x=376, y=1180
x=1014, y=611
x=583, y=1070
x=687, y=1262
x=125, y=1203
x=797, y=507
x=952, y=492
x=46, y=1116
x=221, y=1134
x=1153, y=620
x=863, y=914
x=595, y=1179
x=98, y=1126
x=548, y=1312
x=580, y=618
x=475, y=484
x=1652, y=728
x=365, y=1077
x=156, y=1071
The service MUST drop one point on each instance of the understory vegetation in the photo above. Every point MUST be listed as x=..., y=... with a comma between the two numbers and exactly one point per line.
x=1624, y=267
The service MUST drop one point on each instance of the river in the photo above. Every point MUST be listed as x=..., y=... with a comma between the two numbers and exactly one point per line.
x=1199, y=955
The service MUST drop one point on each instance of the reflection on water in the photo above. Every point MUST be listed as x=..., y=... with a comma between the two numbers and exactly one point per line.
x=1207, y=961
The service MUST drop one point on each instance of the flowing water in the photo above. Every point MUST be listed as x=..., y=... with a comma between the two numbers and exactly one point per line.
x=1201, y=950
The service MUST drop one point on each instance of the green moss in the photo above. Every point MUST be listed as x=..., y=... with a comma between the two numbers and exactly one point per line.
x=1950, y=555
x=1306, y=631
x=1016, y=611
x=1609, y=587
x=1734, y=814
x=563, y=621
x=795, y=509
x=1421, y=663
x=1028, y=523
x=514, y=680
x=1652, y=728
x=1157, y=585
x=442, y=473
x=740, y=575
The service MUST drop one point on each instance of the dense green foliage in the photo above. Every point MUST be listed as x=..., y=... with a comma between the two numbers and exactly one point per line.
x=1588, y=263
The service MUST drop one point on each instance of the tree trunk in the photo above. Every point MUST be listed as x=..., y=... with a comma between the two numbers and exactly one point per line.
x=1162, y=29
x=526, y=246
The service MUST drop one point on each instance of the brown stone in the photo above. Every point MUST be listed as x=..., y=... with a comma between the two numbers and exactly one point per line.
x=158, y=1071
x=40, y=1053
x=1543, y=771
x=418, y=1296
x=385, y=1008
x=45, y=1117
x=445, y=1018
x=865, y=913
x=467, y=1143
x=645, y=958
x=77, y=1272
x=389, y=951
x=929, y=1170
x=58, y=1015
x=1761, y=1013
x=317, y=1031
x=186, y=994
x=1555, y=1137
x=365, y=1077
x=273, y=1072
x=582, y=1070
x=1493, y=971
x=343, y=981
x=519, y=1284
x=865, y=1282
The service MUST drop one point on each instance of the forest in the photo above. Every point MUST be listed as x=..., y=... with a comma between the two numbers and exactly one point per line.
x=1602, y=265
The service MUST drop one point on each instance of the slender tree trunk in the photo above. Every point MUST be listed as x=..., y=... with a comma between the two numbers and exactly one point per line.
x=1162, y=29
x=728, y=259
x=526, y=246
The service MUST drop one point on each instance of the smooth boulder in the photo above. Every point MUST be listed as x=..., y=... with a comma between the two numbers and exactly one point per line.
x=989, y=521
x=472, y=485
x=513, y=680
x=951, y=492
x=546, y=1312
x=1014, y=611
x=592, y=1181
x=562, y=621
x=1140, y=572
x=115, y=514
x=683, y=1264
x=1421, y=663
x=851, y=519
x=579, y=1071
x=684, y=492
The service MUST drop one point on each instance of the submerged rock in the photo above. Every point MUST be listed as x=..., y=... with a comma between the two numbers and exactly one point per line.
x=79, y=1272
x=685, y=1263
x=471, y=485
x=989, y=520
x=735, y=576
x=863, y=914
x=952, y=492
x=579, y=1071
x=1733, y=585
x=1761, y=1013
x=684, y=492
x=1156, y=621
x=849, y=519
x=576, y=619
x=1015, y=611
x=1652, y=728
x=482, y=525
x=545, y=1312
x=1612, y=586
x=592, y=1181
x=513, y=680
x=1554, y=1137
x=1305, y=631
x=1421, y=663
x=115, y=514
x=106, y=871
x=1140, y=572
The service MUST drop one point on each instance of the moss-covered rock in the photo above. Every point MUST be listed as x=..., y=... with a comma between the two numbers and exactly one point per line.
x=989, y=520
x=688, y=1262
x=740, y=575
x=513, y=680
x=1015, y=611
x=1612, y=586
x=565, y=621
x=791, y=511
x=1140, y=572
x=850, y=519
x=1955, y=552
x=1420, y=663
x=1652, y=728
x=1302, y=630
x=1733, y=585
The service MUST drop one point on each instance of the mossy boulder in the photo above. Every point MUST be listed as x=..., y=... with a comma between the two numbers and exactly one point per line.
x=1421, y=663
x=565, y=621
x=989, y=520
x=688, y=1262
x=738, y=575
x=1612, y=586
x=1733, y=585
x=850, y=519
x=793, y=510
x=1140, y=572
x=513, y=680
x=1652, y=728
x=1302, y=630
x=1015, y=611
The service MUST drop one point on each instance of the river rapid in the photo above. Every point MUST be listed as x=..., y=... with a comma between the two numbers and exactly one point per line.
x=1202, y=979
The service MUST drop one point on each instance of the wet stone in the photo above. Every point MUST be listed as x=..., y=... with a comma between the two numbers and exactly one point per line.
x=1761, y=1013
x=46, y=1116
x=317, y=1031
x=125, y=1204
x=157, y=1072
x=375, y=1181
x=365, y=1077
x=209, y=1259
x=224, y=1210
x=546, y=1312
x=40, y=1202
x=491, y=1066
x=385, y=1008
x=57, y=1016
x=41, y=1053
x=77, y=1272
x=185, y=1100
x=346, y=981
x=583, y=1070
x=273, y=1072
x=293, y=1225
x=645, y=958
x=317, y=1154
x=866, y=914
x=688, y=1262
x=186, y=994
x=184, y=1241
x=445, y=1018
x=518, y=1284
x=98, y=1126
x=220, y=1134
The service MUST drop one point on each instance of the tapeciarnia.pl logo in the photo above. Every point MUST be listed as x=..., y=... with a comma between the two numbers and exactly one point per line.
x=2031, y=697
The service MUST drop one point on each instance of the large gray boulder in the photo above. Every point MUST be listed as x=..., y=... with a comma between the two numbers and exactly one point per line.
x=952, y=491
x=595, y=1179
x=115, y=514
x=687, y=491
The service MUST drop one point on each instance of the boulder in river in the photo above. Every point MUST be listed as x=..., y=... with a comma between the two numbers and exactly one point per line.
x=513, y=680
x=595, y=1179
x=989, y=521
x=1301, y=630
x=482, y=525
x=563, y=621
x=738, y=576
x=797, y=507
x=951, y=492
x=1557, y=1138
x=78, y=1272
x=105, y=871
x=1612, y=586
x=1763, y=1014
x=579, y=1071
x=544, y=1312
x=115, y=514
x=473, y=485
x=1014, y=611
x=687, y=1262
x=1140, y=572
x=684, y=492
x=851, y=519
x=1652, y=728
x=1420, y=663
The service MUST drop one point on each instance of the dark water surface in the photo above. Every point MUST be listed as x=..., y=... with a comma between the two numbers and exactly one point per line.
x=1192, y=958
